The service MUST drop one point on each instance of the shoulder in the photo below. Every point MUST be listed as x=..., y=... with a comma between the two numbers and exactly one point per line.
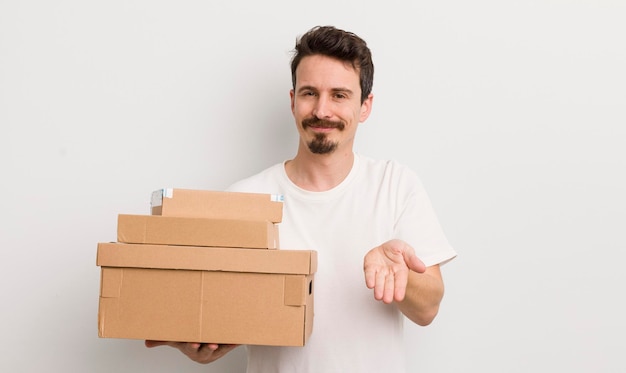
x=387, y=169
x=265, y=181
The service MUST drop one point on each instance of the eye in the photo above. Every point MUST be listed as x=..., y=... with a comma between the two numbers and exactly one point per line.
x=342, y=94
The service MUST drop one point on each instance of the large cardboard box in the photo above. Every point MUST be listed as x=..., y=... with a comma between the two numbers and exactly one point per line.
x=206, y=294
x=217, y=204
x=169, y=230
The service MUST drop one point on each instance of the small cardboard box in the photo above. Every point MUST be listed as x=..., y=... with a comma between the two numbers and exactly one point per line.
x=206, y=294
x=170, y=230
x=217, y=204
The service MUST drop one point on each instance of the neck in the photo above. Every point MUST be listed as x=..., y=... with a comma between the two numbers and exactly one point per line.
x=319, y=172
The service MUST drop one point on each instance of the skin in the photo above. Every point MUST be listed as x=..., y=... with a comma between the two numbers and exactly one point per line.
x=203, y=353
x=326, y=89
x=327, y=95
x=397, y=275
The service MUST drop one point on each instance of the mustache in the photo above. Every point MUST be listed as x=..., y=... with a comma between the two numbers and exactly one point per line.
x=321, y=123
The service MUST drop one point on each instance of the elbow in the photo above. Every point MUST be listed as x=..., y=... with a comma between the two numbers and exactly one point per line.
x=425, y=316
x=422, y=315
x=423, y=310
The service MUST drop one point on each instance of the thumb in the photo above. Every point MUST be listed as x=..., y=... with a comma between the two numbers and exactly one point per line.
x=151, y=344
x=413, y=262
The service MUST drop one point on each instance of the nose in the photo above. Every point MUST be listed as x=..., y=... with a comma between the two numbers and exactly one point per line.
x=322, y=108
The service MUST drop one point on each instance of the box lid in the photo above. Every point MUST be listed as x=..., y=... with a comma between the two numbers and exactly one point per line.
x=115, y=254
x=217, y=204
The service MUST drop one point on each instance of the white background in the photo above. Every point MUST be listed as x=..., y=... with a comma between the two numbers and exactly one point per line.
x=513, y=113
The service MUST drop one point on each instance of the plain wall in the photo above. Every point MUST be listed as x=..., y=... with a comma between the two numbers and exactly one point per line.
x=513, y=113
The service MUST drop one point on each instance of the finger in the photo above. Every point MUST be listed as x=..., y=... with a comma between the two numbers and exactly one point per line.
x=198, y=352
x=370, y=277
x=401, y=280
x=222, y=350
x=210, y=346
x=379, y=286
x=227, y=348
x=194, y=348
x=389, y=288
x=150, y=343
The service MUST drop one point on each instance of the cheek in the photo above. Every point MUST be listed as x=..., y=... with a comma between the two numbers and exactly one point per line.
x=300, y=110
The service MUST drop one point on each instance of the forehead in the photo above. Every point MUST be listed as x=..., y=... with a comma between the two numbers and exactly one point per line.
x=326, y=72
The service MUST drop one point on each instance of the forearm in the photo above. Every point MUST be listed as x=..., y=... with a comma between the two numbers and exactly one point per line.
x=424, y=293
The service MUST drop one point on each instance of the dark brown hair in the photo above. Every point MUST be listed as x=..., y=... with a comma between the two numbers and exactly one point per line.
x=342, y=45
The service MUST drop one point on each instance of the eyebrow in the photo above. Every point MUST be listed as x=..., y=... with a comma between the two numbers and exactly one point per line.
x=334, y=90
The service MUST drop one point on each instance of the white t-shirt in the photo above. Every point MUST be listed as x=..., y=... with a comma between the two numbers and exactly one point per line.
x=378, y=201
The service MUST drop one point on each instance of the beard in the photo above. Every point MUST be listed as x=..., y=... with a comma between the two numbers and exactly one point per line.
x=320, y=144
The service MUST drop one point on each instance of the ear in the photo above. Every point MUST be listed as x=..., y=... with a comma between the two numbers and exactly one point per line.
x=366, y=108
x=292, y=96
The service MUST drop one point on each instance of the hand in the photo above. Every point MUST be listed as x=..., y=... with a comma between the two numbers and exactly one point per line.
x=203, y=353
x=387, y=268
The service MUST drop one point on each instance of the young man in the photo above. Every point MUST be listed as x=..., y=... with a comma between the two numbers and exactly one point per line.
x=378, y=240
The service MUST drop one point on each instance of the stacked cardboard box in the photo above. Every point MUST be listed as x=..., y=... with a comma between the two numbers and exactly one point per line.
x=205, y=266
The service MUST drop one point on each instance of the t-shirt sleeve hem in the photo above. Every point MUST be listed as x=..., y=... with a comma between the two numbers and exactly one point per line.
x=440, y=258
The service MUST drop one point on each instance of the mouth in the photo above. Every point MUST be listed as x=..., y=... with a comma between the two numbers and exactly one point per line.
x=321, y=129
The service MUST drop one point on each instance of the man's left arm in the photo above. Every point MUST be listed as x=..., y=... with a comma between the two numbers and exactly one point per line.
x=424, y=292
x=397, y=275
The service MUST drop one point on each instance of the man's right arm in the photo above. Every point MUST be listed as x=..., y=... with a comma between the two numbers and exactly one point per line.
x=202, y=353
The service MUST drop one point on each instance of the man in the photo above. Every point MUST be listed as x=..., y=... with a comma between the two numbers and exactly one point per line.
x=367, y=219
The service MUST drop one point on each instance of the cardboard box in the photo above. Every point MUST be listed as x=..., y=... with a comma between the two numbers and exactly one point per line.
x=169, y=230
x=217, y=204
x=205, y=294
